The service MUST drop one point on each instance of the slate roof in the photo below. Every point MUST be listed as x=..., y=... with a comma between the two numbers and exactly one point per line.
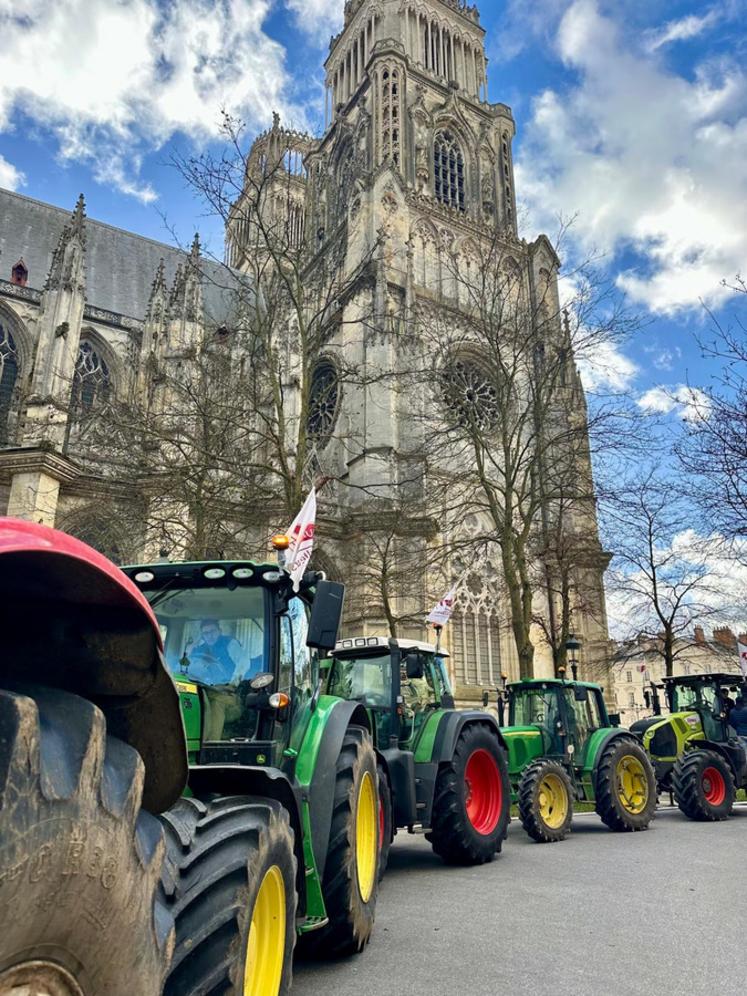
x=120, y=265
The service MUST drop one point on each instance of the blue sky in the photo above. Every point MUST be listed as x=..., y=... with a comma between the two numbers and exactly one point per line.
x=632, y=118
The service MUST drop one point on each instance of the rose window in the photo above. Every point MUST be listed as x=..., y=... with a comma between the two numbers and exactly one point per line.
x=470, y=394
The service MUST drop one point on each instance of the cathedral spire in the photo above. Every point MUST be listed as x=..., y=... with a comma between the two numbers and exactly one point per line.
x=67, y=268
x=79, y=217
x=158, y=291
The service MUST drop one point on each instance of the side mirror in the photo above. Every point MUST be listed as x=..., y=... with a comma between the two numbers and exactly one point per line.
x=614, y=718
x=647, y=698
x=414, y=666
x=581, y=694
x=326, y=615
x=485, y=700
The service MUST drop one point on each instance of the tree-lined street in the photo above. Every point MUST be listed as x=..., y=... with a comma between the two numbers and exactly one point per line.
x=600, y=914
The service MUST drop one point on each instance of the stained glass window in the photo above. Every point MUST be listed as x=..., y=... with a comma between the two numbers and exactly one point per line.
x=449, y=171
x=91, y=383
x=8, y=378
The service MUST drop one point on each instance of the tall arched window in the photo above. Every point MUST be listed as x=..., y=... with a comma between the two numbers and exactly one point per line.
x=91, y=383
x=8, y=378
x=449, y=171
x=390, y=120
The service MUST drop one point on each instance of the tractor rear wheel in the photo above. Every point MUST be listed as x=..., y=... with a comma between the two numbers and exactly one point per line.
x=471, y=804
x=704, y=786
x=80, y=862
x=385, y=820
x=626, y=786
x=350, y=881
x=233, y=893
x=546, y=801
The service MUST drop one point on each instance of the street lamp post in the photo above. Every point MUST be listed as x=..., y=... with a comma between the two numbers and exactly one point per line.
x=572, y=647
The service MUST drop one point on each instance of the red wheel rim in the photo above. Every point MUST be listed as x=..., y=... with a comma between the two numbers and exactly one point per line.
x=382, y=823
x=714, y=786
x=484, y=791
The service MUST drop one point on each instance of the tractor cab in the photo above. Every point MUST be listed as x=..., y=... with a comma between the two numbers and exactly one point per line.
x=710, y=697
x=400, y=682
x=242, y=648
x=563, y=713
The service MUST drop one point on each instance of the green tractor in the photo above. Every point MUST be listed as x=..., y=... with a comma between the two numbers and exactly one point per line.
x=697, y=756
x=440, y=769
x=277, y=834
x=562, y=748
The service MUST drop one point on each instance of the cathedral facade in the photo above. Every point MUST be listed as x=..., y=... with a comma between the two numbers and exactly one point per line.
x=413, y=174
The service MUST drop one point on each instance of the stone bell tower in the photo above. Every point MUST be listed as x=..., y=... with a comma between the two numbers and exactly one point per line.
x=414, y=158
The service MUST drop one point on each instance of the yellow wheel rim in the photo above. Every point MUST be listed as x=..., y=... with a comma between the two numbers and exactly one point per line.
x=265, y=953
x=632, y=784
x=366, y=837
x=553, y=801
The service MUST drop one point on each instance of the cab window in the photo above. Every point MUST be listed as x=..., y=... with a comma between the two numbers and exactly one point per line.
x=296, y=665
x=584, y=717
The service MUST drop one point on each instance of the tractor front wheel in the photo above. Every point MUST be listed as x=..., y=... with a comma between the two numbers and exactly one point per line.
x=626, y=786
x=80, y=862
x=471, y=804
x=350, y=881
x=233, y=892
x=385, y=821
x=704, y=786
x=546, y=801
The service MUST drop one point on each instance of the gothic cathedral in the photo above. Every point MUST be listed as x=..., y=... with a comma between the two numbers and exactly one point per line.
x=413, y=173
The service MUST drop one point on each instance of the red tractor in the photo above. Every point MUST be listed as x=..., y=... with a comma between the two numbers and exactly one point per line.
x=92, y=747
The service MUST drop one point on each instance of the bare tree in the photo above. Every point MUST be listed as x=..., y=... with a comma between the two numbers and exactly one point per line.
x=714, y=450
x=663, y=573
x=514, y=425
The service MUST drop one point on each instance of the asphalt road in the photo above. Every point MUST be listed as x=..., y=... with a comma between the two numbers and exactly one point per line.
x=600, y=914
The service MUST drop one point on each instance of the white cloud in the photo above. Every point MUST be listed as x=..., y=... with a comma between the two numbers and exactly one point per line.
x=649, y=161
x=681, y=30
x=10, y=177
x=115, y=78
x=689, y=403
x=605, y=367
x=319, y=18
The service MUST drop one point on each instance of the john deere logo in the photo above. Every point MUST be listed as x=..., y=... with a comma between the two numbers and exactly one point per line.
x=261, y=758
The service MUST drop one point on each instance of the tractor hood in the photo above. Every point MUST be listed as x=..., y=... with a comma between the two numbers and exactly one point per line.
x=74, y=621
x=525, y=744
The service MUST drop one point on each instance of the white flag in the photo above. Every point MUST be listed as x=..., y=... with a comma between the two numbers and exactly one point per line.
x=742, y=657
x=442, y=612
x=301, y=535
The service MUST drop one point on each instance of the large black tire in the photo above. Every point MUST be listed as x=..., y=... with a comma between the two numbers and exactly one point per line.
x=619, y=810
x=546, y=801
x=704, y=786
x=455, y=835
x=385, y=821
x=351, y=911
x=222, y=852
x=80, y=862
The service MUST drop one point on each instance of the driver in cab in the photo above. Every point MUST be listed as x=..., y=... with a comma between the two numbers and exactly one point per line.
x=217, y=661
x=415, y=690
x=216, y=658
